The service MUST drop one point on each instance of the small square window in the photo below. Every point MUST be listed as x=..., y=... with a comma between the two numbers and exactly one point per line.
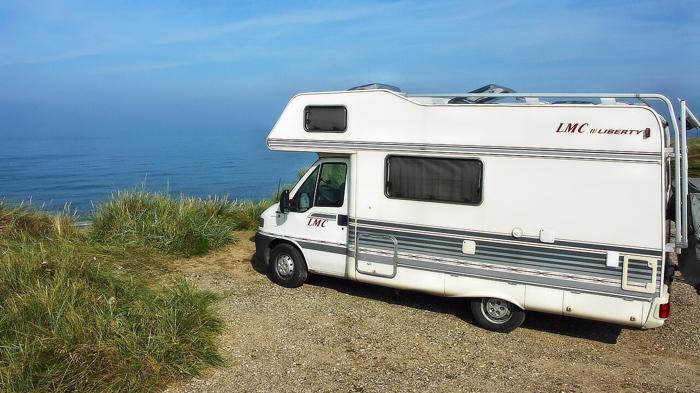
x=325, y=118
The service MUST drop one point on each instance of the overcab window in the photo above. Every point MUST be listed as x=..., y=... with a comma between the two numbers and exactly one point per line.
x=434, y=179
x=325, y=118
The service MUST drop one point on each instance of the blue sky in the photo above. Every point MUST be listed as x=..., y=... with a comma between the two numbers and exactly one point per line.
x=72, y=67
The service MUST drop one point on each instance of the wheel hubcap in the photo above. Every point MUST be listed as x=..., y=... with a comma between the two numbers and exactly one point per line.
x=284, y=265
x=496, y=310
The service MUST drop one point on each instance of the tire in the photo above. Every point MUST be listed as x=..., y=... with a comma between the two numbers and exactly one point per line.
x=287, y=266
x=497, y=315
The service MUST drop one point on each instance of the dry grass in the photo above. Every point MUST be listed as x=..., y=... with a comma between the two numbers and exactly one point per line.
x=22, y=220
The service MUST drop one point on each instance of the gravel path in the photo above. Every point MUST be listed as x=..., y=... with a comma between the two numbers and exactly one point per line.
x=333, y=335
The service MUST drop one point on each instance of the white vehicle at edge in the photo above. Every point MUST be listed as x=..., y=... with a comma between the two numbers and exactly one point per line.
x=507, y=199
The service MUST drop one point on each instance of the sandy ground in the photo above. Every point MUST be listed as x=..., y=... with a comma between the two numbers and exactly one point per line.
x=333, y=335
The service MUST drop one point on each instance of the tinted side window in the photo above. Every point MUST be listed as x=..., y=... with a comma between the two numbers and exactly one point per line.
x=325, y=118
x=434, y=179
x=331, y=185
x=306, y=193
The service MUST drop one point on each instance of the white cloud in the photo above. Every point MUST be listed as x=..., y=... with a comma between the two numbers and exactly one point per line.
x=53, y=58
x=282, y=21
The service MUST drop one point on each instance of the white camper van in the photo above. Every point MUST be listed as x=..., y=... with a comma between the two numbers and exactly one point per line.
x=554, y=203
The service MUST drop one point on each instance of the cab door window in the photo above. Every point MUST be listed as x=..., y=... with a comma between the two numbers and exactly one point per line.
x=330, y=191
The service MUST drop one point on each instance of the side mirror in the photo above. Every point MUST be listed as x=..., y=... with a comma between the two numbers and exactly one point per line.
x=284, y=201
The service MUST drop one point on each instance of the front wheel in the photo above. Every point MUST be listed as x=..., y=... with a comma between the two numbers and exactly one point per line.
x=496, y=314
x=287, y=266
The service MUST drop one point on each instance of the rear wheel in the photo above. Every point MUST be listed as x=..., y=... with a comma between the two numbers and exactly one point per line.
x=287, y=266
x=496, y=314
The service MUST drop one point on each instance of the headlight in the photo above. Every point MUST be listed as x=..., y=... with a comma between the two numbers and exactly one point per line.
x=261, y=222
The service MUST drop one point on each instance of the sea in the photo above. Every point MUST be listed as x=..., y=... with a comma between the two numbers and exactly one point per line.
x=53, y=171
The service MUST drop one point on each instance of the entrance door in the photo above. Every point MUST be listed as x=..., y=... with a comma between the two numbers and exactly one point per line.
x=318, y=219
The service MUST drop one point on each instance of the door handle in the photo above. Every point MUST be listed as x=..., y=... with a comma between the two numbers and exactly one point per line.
x=342, y=220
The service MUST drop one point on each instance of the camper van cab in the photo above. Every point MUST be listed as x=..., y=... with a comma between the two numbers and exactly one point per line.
x=514, y=201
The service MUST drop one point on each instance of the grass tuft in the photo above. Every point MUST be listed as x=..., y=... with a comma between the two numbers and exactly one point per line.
x=247, y=213
x=70, y=321
x=75, y=314
x=75, y=311
x=23, y=220
x=184, y=226
x=694, y=157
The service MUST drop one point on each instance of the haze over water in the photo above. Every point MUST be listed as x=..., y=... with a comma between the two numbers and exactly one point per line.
x=81, y=170
x=99, y=96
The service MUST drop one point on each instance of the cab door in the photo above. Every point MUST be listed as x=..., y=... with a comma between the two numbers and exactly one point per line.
x=318, y=216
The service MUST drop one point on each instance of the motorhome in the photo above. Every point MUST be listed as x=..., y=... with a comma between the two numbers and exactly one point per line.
x=548, y=202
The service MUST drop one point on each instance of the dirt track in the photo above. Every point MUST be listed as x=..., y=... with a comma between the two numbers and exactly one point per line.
x=336, y=335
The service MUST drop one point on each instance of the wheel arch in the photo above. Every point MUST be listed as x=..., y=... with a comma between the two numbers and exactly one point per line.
x=495, y=294
x=476, y=287
x=277, y=241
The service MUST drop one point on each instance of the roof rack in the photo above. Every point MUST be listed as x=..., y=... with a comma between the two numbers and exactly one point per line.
x=601, y=96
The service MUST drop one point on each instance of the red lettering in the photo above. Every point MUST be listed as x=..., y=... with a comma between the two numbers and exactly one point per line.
x=317, y=222
x=571, y=127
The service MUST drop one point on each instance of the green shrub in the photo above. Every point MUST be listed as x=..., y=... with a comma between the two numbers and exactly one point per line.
x=694, y=157
x=69, y=321
x=248, y=213
x=182, y=226
x=75, y=314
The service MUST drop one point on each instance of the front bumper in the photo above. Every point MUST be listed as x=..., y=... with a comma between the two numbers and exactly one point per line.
x=262, y=250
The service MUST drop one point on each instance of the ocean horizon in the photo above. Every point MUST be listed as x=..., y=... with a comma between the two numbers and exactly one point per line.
x=80, y=171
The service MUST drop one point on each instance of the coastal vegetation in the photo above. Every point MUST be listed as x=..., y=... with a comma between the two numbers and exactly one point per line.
x=694, y=157
x=177, y=226
x=79, y=308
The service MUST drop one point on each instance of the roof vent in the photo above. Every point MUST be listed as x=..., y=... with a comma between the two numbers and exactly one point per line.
x=377, y=86
x=492, y=89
